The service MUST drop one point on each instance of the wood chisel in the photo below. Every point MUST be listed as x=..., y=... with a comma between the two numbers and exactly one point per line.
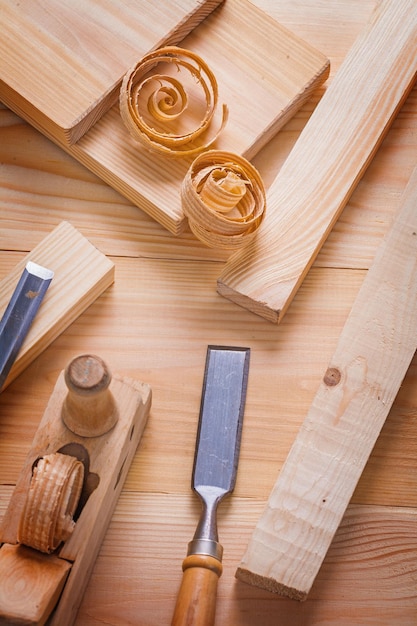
x=214, y=475
x=20, y=313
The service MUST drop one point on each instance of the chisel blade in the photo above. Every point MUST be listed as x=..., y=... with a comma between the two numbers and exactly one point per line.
x=220, y=421
x=20, y=313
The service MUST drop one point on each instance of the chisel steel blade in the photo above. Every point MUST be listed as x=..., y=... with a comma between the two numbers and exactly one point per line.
x=20, y=313
x=221, y=416
x=218, y=437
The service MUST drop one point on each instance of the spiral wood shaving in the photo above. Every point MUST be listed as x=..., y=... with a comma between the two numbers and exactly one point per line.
x=223, y=196
x=54, y=492
x=154, y=105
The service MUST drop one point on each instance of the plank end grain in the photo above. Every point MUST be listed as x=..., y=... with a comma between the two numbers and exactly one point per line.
x=269, y=584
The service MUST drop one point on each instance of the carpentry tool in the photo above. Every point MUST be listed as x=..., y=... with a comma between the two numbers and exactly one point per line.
x=37, y=585
x=20, y=313
x=214, y=474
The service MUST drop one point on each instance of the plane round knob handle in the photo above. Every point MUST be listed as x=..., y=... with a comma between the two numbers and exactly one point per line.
x=196, y=600
x=89, y=409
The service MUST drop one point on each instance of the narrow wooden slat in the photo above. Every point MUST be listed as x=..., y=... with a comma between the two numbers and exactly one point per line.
x=62, y=63
x=358, y=388
x=81, y=274
x=329, y=158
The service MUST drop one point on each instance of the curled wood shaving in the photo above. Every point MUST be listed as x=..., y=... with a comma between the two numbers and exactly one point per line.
x=154, y=104
x=223, y=197
x=54, y=492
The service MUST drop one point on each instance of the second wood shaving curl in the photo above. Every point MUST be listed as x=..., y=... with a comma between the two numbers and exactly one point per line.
x=52, y=499
x=223, y=197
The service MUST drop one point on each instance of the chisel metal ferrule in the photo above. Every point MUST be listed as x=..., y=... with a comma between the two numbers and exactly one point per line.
x=205, y=546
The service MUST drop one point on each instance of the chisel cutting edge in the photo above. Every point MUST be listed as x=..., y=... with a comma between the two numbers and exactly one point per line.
x=214, y=475
x=20, y=313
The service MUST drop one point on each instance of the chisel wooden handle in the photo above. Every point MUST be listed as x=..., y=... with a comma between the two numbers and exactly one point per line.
x=196, y=601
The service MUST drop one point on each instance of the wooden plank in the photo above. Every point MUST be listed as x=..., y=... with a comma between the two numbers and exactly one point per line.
x=237, y=41
x=330, y=156
x=62, y=63
x=81, y=274
x=358, y=388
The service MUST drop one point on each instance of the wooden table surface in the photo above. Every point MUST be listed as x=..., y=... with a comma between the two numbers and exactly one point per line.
x=154, y=324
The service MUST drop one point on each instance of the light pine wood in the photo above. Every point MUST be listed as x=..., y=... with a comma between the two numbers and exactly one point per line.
x=329, y=158
x=239, y=43
x=290, y=359
x=154, y=324
x=69, y=59
x=374, y=547
x=81, y=274
x=335, y=441
x=109, y=458
x=30, y=585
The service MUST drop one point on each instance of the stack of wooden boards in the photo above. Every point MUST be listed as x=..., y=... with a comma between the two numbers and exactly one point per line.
x=379, y=339
x=61, y=68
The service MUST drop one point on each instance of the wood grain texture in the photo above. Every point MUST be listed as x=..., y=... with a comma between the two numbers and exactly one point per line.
x=154, y=324
x=358, y=389
x=374, y=547
x=290, y=360
x=239, y=43
x=61, y=64
x=325, y=165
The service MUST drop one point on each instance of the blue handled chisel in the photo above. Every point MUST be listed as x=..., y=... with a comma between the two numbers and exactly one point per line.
x=20, y=313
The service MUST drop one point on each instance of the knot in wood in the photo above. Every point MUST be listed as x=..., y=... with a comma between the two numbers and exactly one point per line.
x=332, y=377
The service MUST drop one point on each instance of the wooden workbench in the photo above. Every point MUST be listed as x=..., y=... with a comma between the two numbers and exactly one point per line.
x=154, y=324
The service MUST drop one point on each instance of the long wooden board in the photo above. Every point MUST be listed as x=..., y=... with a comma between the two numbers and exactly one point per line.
x=329, y=158
x=265, y=74
x=61, y=63
x=81, y=274
x=336, y=438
